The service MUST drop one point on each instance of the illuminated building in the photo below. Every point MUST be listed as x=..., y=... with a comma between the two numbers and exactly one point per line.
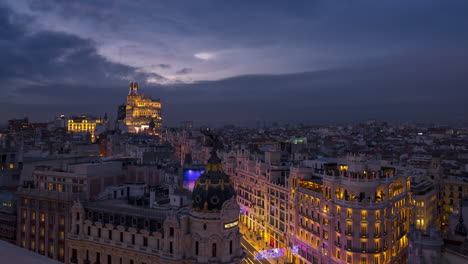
x=455, y=188
x=424, y=199
x=141, y=110
x=356, y=213
x=348, y=212
x=115, y=231
x=87, y=124
x=263, y=193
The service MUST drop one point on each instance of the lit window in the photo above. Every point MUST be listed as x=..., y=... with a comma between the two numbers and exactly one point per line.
x=42, y=217
x=363, y=230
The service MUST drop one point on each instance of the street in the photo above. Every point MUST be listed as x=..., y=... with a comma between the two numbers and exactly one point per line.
x=250, y=251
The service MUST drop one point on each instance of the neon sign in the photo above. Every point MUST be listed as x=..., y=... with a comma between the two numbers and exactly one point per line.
x=231, y=225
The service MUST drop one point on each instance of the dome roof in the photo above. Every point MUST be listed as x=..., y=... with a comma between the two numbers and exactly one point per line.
x=213, y=188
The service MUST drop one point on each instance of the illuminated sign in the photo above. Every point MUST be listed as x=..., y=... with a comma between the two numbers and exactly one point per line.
x=231, y=225
x=275, y=253
x=270, y=253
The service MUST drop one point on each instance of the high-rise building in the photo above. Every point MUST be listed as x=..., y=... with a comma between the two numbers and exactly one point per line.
x=141, y=110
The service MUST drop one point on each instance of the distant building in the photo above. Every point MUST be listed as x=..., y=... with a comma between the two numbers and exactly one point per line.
x=8, y=216
x=186, y=125
x=424, y=198
x=19, y=125
x=87, y=124
x=121, y=112
x=141, y=110
x=10, y=162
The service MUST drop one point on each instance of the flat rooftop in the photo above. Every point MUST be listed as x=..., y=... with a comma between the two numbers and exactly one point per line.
x=14, y=254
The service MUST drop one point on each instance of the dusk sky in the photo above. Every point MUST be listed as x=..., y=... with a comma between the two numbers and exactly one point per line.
x=239, y=62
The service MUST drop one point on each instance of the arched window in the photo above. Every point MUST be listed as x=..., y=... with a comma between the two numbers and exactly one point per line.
x=213, y=250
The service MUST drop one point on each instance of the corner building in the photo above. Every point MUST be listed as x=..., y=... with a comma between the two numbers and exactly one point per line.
x=113, y=231
x=352, y=212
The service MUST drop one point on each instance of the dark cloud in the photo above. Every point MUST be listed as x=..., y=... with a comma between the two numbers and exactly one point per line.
x=52, y=68
x=392, y=60
x=162, y=66
x=407, y=88
x=184, y=71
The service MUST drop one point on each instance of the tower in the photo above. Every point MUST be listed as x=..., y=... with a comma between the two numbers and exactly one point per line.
x=133, y=88
x=214, y=216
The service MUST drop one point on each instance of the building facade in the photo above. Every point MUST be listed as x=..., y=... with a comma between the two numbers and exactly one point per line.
x=342, y=210
x=87, y=124
x=114, y=231
x=44, y=204
x=352, y=212
x=141, y=112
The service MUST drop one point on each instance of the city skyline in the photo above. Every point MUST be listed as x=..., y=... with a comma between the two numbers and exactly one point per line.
x=218, y=63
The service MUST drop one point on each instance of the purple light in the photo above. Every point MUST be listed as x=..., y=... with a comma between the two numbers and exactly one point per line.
x=270, y=253
x=295, y=250
x=189, y=178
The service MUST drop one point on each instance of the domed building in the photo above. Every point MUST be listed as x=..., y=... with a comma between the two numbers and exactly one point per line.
x=213, y=188
x=214, y=216
x=114, y=230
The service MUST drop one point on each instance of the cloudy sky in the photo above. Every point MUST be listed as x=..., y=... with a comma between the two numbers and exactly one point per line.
x=240, y=62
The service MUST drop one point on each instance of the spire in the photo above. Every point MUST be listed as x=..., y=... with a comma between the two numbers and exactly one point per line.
x=214, y=162
x=133, y=88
